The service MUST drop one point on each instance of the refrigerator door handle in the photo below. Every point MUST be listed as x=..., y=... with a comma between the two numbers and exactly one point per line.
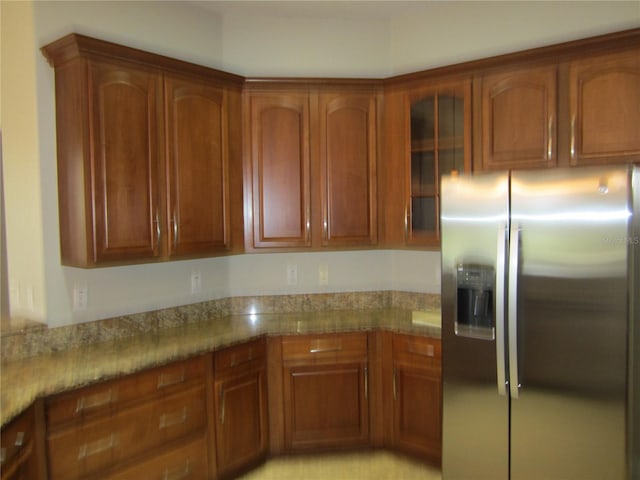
x=514, y=253
x=501, y=260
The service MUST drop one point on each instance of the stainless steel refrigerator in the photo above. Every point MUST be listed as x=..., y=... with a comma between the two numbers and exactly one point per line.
x=541, y=324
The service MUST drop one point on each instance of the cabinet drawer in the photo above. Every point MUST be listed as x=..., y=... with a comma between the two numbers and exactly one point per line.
x=108, y=397
x=188, y=462
x=425, y=351
x=325, y=347
x=245, y=355
x=93, y=446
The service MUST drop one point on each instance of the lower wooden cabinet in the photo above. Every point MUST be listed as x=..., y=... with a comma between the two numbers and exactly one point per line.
x=21, y=453
x=417, y=396
x=241, y=426
x=325, y=391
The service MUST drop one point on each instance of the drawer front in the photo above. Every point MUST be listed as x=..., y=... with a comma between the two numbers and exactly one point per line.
x=328, y=347
x=423, y=351
x=17, y=438
x=103, y=443
x=245, y=355
x=188, y=462
x=107, y=397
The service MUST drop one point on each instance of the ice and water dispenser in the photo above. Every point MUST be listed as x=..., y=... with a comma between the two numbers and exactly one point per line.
x=475, y=303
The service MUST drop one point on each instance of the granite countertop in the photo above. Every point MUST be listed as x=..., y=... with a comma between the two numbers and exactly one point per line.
x=24, y=380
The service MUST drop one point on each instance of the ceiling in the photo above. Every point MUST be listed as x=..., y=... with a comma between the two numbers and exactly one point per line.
x=363, y=9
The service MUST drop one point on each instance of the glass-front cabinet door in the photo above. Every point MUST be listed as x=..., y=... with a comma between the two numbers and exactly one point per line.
x=439, y=129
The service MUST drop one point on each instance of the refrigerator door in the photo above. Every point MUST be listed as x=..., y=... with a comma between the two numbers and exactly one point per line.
x=474, y=216
x=568, y=365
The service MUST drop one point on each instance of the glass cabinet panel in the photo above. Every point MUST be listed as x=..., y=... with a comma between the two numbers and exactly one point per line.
x=439, y=135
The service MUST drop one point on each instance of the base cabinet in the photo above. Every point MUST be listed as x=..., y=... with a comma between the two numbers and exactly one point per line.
x=325, y=391
x=417, y=396
x=240, y=407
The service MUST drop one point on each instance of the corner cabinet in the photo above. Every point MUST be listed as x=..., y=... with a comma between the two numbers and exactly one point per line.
x=310, y=167
x=145, y=155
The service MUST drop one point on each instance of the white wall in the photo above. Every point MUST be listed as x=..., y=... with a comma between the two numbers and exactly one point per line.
x=250, y=46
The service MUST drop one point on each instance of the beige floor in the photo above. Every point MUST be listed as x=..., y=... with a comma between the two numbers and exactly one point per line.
x=375, y=465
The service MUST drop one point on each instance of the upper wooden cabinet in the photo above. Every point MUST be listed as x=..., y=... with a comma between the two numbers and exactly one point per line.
x=604, y=99
x=310, y=167
x=427, y=135
x=519, y=118
x=148, y=155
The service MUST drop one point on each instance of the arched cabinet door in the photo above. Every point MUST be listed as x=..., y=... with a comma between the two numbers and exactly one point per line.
x=519, y=119
x=604, y=95
x=198, y=168
x=125, y=123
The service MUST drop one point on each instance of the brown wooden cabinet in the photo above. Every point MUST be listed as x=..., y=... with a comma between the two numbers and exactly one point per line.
x=310, y=171
x=428, y=135
x=145, y=155
x=604, y=99
x=240, y=393
x=417, y=395
x=22, y=447
x=325, y=391
x=519, y=118
x=100, y=430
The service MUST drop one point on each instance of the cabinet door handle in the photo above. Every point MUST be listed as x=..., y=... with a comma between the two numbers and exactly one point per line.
x=157, y=222
x=177, y=474
x=19, y=439
x=406, y=222
x=102, y=445
x=99, y=399
x=222, y=405
x=366, y=382
x=168, y=379
x=573, y=136
x=321, y=345
x=550, y=138
x=171, y=419
x=175, y=230
x=395, y=390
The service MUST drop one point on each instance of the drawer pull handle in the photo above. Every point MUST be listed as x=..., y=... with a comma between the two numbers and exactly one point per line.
x=98, y=446
x=98, y=400
x=3, y=455
x=395, y=390
x=366, y=382
x=19, y=439
x=322, y=345
x=427, y=350
x=171, y=378
x=179, y=473
x=170, y=419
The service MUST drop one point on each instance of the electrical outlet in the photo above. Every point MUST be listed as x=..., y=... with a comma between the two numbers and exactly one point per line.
x=323, y=274
x=80, y=297
x=292, y=274
x=196, y=283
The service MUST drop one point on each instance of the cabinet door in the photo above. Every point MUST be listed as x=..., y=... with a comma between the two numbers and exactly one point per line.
x=417, y=411
x=125, y=122
x=605, y=109
x=519, y=119
x=438, y=127
x=241, y=420
x=279, y=145
x=198, y=202
x=348, y=168
x=326, y=406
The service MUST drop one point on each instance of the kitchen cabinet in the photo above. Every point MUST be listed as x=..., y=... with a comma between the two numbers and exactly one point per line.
x=241, y=422
x=310, y=171
x=519, y=118
x=325, y=391
x=428, y=135
x=22, y=448
x=146, y=153
x=417, y=395
x=604, y=99
x=113, y=427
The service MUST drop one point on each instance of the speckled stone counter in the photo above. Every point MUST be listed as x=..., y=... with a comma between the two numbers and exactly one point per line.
x=22, y=380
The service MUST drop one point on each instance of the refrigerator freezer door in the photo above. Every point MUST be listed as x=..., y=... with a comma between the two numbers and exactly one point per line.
x=474, y=215
x=568, y=420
